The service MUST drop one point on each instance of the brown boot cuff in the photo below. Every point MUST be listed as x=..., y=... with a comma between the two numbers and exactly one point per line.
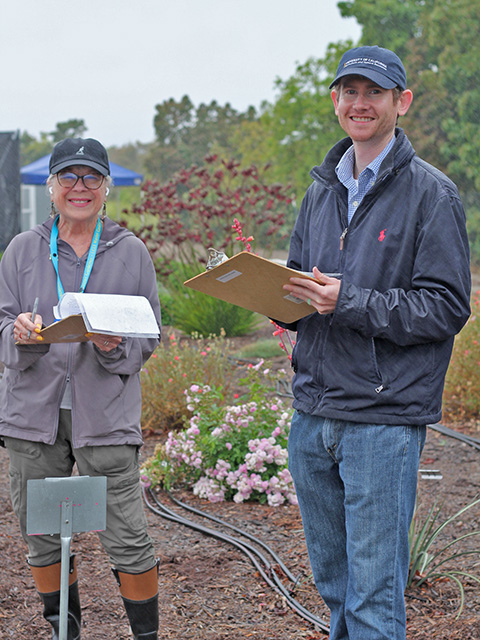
x=47, y=579
x=138, y=586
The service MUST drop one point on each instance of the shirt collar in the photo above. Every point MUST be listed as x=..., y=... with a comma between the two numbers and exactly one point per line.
x=344, y=168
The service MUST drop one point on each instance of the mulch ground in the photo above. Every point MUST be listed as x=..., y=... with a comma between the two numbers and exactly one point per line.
x=210, y=590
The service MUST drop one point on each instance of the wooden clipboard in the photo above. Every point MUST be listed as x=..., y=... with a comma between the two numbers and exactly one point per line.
x=71, y=329
x=254, y=283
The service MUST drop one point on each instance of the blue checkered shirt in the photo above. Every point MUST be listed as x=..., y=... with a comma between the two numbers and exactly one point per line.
x=358, y=188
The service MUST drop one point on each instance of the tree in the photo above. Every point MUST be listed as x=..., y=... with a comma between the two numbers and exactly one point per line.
x=387, y=23
x=185, y=134
x=451, y=35
x=32, y=149
x=131, y=155
x=73, y=128
x=294, y=132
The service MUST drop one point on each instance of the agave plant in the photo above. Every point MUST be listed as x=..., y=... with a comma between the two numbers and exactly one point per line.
x=427, y=563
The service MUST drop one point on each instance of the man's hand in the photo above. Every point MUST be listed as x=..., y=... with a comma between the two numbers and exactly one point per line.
x=321, y=295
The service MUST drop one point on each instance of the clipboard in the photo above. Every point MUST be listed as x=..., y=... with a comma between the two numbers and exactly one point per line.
x=71, y=329
x=254, y=283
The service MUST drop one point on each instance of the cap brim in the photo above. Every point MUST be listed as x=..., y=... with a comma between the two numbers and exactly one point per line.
x=376, y=77
x=77, y=161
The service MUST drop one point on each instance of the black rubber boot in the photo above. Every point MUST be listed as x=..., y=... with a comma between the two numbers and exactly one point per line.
x=139, y=593
x=48, y=581
x=143, y=618
x=51, y=612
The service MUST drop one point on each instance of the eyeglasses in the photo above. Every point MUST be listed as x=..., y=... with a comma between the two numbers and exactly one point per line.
x=68, y=180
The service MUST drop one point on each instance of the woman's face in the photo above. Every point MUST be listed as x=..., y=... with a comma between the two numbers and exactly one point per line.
x=78, y=203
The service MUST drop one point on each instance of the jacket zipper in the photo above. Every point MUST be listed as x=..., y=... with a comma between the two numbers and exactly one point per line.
x=381, y=386
x=367, y=196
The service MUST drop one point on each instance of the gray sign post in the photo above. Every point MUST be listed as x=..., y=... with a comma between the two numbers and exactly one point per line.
x=66, y=506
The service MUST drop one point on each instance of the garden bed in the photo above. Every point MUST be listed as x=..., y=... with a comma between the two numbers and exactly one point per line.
x=209, y=590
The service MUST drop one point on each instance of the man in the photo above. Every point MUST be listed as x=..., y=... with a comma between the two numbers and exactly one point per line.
x=370, y=360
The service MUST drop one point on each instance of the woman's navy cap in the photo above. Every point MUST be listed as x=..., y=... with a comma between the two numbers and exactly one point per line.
x=375, y=63
x=72, y=151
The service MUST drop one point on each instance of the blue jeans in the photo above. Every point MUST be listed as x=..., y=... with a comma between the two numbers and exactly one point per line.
x=356, y=487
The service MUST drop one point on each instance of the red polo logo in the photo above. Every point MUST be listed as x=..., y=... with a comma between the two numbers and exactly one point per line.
x=381, y=237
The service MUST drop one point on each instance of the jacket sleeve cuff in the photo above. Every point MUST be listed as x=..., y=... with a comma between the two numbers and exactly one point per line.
x=351, y=306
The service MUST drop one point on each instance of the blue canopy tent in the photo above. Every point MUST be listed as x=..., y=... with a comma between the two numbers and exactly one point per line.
x=37, y=173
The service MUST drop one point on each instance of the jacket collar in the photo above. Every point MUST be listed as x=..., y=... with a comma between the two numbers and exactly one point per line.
x=111, y=233
x=401, y=153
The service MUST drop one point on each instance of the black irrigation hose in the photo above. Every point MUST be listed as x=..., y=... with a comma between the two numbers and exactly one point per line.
x=451, y=433
x=266, y=570
x=203, y=514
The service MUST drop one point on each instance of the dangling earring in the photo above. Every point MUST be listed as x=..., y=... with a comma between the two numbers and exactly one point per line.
x=103, y=215
x=53, y=211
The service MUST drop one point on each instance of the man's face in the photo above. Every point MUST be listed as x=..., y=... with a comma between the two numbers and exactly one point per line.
x=365, y=111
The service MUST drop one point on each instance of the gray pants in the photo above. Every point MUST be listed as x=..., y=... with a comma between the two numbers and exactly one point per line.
x=125, y=539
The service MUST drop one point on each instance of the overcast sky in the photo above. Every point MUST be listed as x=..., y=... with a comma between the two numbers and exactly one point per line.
x=109, y=62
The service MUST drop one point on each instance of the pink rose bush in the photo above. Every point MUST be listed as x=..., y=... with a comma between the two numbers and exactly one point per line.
x=229, y=452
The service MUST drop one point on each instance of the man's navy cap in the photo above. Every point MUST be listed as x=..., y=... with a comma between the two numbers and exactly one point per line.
x=375, y=63
x=72, y=151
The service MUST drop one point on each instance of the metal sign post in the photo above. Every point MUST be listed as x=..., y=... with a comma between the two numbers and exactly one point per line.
x=66, y=506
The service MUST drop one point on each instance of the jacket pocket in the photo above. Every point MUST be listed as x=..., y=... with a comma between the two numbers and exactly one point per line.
x=382, y=383
x=354, y=376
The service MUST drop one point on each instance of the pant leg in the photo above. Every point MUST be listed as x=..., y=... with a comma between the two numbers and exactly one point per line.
x=321, y=497
x=126, y=538
x=35, y=461
x=378, y=465
x=357, y=508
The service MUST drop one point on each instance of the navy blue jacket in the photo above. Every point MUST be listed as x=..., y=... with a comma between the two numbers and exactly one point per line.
x=381, y=357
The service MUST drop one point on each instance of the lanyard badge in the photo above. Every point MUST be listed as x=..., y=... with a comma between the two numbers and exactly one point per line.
x=92, y=252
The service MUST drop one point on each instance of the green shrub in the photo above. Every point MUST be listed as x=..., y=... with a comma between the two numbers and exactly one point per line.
x=267, y=348
x=174, y=367
x=167, y=303
x=195, y=312
x=461, y=398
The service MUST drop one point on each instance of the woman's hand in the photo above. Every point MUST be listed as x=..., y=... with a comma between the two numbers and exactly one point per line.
x=321, y=295
x=23, y=325
x=104, y=342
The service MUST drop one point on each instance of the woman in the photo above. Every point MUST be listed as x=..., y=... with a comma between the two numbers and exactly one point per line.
x=62, y=404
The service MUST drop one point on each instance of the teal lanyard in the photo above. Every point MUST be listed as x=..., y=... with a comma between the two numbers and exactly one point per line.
x=92, y=252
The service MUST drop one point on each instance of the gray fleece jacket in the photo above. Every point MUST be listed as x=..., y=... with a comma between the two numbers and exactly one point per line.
x=106, y=395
